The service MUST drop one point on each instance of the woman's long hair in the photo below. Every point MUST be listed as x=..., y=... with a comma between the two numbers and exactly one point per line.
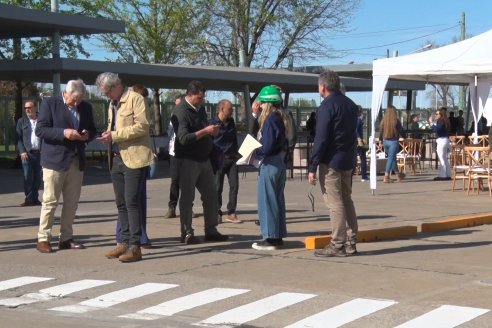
x=388, y=123
x=443, y=117
x=272, y=107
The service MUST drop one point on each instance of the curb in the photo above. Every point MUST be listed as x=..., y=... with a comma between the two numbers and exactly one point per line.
x=314, y=242
x=458, y=222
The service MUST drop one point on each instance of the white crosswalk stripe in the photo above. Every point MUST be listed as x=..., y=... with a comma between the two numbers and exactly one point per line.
x=342, y=314
x=21, y=281
x=185, y=303
x=255, y=310
x=48, y=294
x=446, y=316
x=111, y=299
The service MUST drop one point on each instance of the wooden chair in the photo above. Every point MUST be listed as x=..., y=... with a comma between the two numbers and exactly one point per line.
x=419, y=148
x=457, y=140
x=460, y=165
x=483, y=140
x=410, y=155
x=479, y=167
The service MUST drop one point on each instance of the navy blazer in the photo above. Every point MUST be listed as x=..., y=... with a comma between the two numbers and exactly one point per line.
x=54, y=116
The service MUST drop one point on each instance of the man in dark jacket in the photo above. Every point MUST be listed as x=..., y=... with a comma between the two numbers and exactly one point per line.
x=65, y=125
x=28, y=147
x=226, y=143
x=334, y=151
x=193, y=147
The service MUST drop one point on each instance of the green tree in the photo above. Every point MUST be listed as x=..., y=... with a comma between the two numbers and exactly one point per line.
x=269, y=31
x=34, y=48
x=266, y=33
x=157, y=32
x=302, y=102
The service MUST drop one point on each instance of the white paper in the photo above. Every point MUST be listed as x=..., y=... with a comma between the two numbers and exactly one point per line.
x=247, y=149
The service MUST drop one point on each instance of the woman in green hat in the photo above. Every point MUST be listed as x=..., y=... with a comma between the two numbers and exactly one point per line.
x=271, y=181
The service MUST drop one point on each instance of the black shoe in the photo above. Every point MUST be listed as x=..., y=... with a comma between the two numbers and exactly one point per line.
x=268, y=244
x=216, y=236
x=37, y=203
x=257, y=222
x=275, y=241
x=442, y=178
x=189, y=239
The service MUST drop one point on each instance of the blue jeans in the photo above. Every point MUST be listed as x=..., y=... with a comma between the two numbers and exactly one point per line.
x=391, y=147
x=271, y=200
x=31, y=168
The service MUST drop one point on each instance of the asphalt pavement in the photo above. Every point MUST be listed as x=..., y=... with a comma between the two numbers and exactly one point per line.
x=443, y=277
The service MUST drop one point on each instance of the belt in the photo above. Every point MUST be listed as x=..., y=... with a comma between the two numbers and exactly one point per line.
x=34, y=151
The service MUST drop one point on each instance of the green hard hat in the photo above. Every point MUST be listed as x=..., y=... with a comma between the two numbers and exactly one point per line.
x=269, y=94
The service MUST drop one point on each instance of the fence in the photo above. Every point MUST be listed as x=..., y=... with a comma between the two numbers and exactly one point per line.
x=100, y=110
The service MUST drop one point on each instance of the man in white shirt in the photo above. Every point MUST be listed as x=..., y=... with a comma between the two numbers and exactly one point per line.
x=28, y=146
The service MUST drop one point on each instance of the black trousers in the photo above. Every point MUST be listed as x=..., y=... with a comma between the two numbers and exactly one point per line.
x=127, y=184
x=229, y=169
x=174, y=188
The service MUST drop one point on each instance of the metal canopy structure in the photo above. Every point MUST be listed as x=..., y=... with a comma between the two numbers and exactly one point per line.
x=363, y=71
x=18, y=22
x=178, y=76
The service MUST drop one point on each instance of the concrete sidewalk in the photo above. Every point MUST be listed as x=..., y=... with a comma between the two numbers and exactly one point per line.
x=412, y=202
x=421, y=272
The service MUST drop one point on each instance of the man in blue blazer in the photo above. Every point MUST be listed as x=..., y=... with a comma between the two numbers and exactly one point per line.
x=65, y=125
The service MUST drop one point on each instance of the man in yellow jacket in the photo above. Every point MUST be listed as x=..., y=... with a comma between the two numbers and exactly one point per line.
x=128, y=138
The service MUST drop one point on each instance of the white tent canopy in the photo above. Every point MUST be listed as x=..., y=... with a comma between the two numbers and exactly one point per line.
x=467, y=62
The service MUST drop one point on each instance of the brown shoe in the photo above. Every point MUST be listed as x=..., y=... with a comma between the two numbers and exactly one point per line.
x=44, y=247
x=401, y=176
x=70, y=244
x=233, y=218
x=132, y=254
x=116, y=252
x=386, y=179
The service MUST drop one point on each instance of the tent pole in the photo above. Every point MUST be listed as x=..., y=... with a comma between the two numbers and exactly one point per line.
x=409, y=106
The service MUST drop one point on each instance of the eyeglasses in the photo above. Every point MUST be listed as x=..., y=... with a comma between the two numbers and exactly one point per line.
x=108, y=92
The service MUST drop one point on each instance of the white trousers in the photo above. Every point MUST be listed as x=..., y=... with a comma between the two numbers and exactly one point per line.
x=443, y=150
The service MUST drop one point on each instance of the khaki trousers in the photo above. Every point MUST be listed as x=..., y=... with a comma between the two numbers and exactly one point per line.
x=336, y=186
x=68, y=183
